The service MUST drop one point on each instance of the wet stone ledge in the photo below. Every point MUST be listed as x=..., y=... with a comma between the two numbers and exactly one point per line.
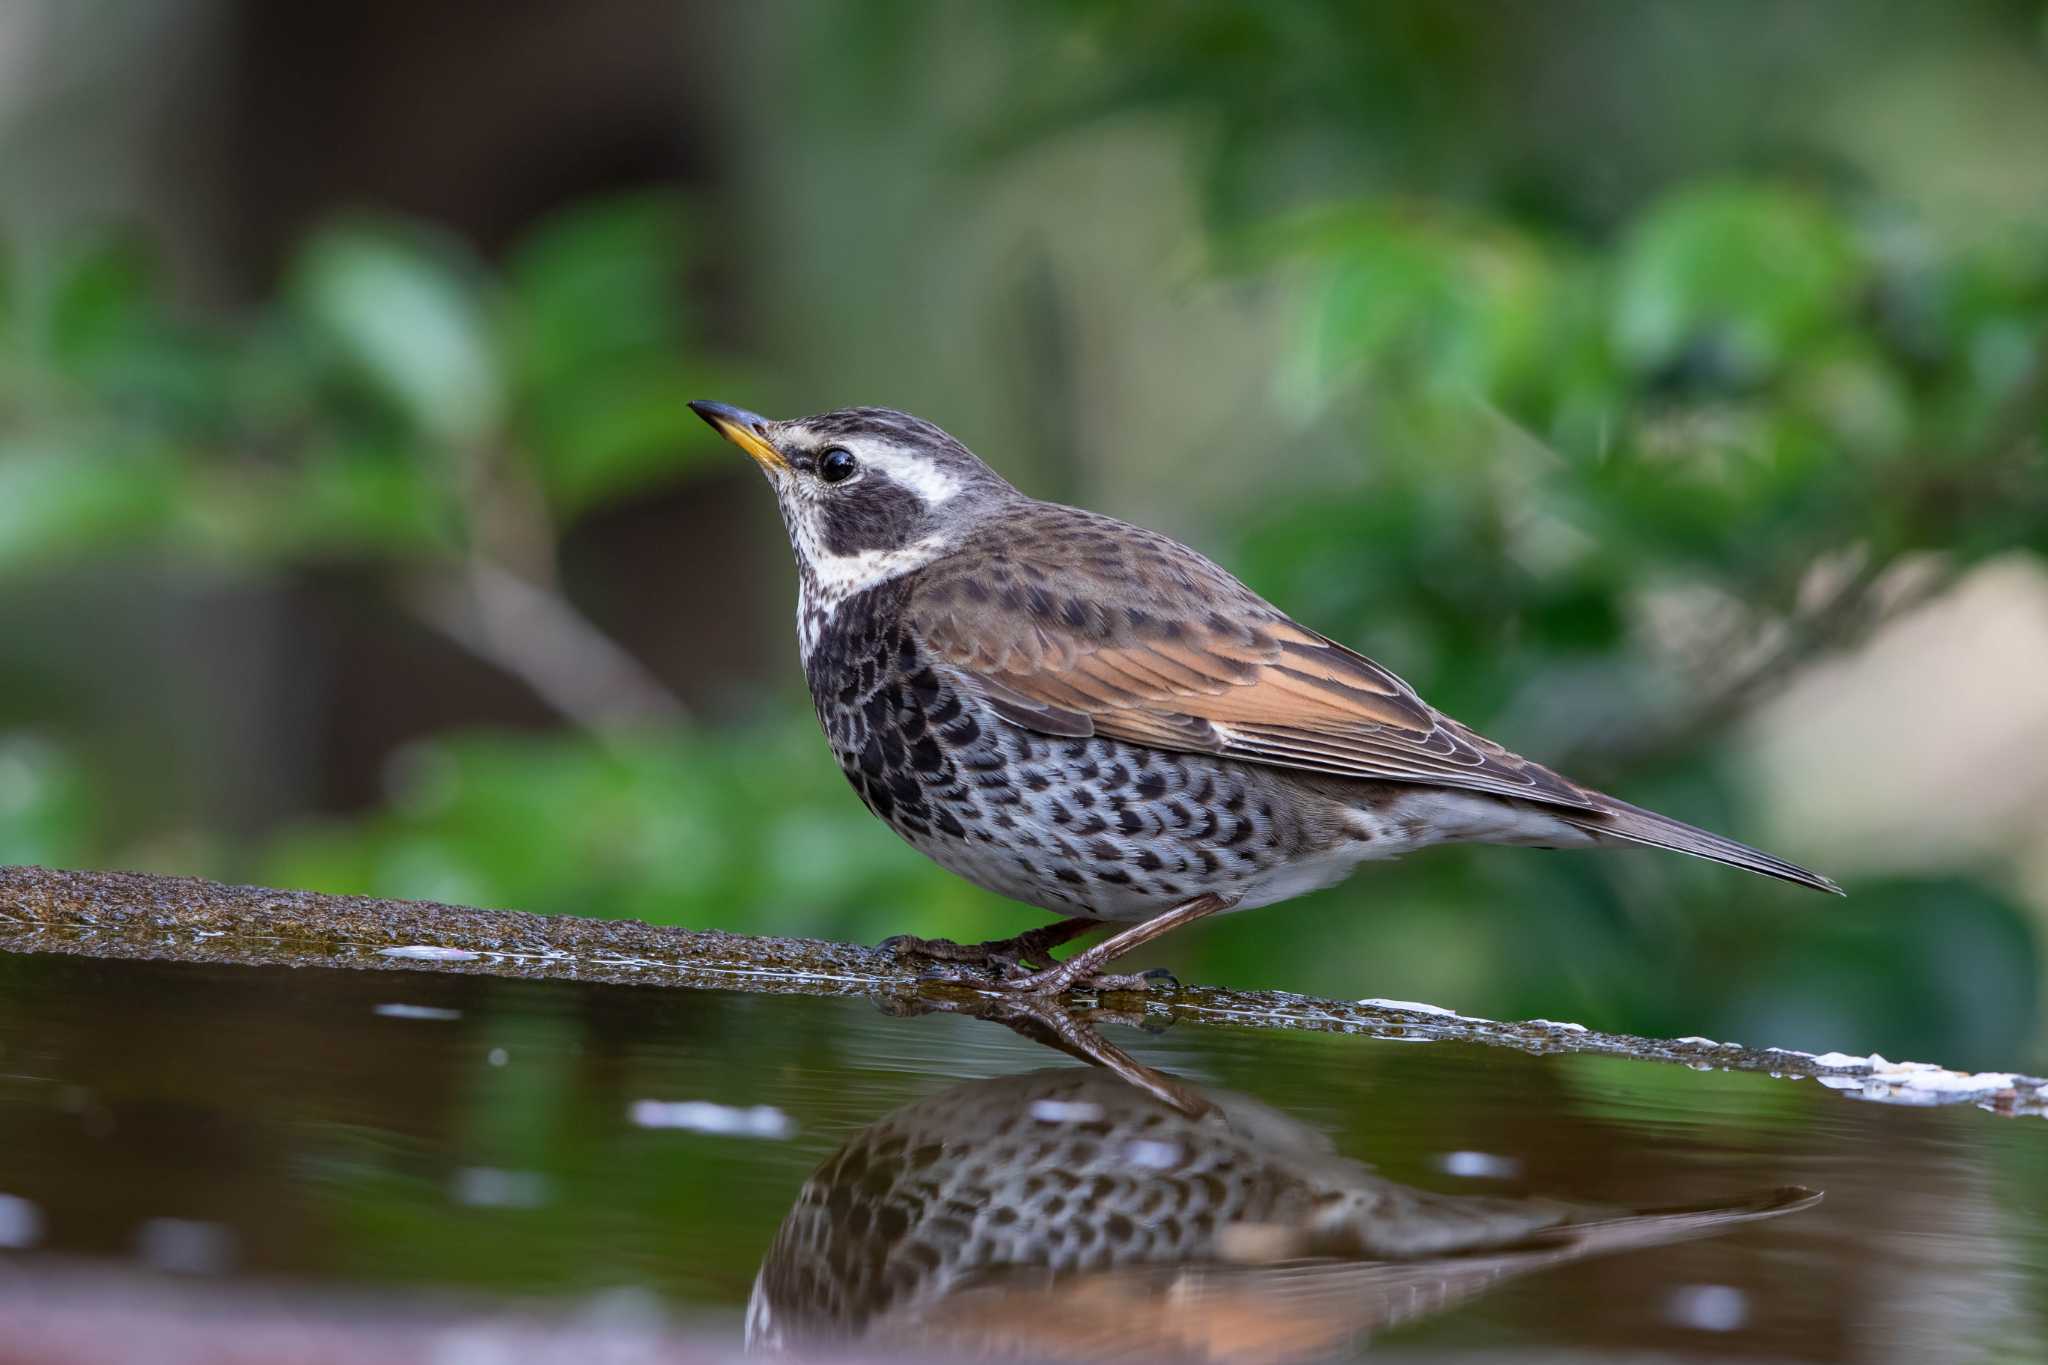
x=133, y=915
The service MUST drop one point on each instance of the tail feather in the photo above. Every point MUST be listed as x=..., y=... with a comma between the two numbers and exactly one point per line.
x=1633, y=824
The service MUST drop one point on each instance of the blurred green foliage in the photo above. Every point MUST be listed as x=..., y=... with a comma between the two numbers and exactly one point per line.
x=356, y=412
x=712, y=829
x=1732, y=392
x=1750, y=382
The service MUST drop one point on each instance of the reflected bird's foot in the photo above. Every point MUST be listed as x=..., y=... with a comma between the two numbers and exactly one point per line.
x=1154, y=979
x=1005, y=973
x=1053, y=1024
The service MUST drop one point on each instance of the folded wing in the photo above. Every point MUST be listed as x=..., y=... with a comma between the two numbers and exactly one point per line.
x=1143, y=640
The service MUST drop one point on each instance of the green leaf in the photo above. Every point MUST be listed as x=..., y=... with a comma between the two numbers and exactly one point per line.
x=597, y=304
x=61, y=502
x=1731, y=279
x=47, y=812
x=679, y=828
x=598, y=283
x=621, y=430
x=366, y=500
x=100, y=301
x=410, y=317
x=1421, y=302
x=7, y=294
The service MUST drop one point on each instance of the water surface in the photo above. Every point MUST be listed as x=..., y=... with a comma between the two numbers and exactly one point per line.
x=338, y=1130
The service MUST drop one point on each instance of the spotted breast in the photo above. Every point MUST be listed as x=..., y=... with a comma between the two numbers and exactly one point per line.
x=1088, y=826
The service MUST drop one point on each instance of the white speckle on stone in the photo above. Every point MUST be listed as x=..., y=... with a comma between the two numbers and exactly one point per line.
x=397, y=1011
x=1559, y=1024
x=1788, y=1051
x=21, y=1222
x=1708, y=1307
x=720, y=1120
x=185, y=1246
x=1915, y=1083
x=1411, y=1007
x=1065, y=1111
x=1939, y=1080
x=429, y=952
x=1479, y=1165
x=488, y=1187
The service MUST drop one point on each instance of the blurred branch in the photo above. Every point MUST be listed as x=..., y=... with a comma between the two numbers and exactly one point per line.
x=1850, y=614
x=536, y=635
x=507, y=607
x=1861, y=605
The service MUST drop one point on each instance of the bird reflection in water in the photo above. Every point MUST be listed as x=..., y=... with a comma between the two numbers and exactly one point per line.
x=1114, y=1212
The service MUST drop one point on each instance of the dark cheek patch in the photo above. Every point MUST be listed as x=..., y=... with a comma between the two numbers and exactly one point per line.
x=873, y=514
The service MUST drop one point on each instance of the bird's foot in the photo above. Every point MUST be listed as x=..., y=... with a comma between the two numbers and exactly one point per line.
x=1003, y=956
x=1085, y=967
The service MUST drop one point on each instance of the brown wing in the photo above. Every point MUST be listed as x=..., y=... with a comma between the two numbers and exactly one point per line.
x=1072, y=624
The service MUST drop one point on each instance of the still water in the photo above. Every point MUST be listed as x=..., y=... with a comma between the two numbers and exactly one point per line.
x=808, y=1174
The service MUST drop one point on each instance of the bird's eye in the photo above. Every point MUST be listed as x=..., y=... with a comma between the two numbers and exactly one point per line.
x=837, y=465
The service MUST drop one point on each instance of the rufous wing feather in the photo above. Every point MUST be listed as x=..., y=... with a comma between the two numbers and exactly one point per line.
x=1174, y=653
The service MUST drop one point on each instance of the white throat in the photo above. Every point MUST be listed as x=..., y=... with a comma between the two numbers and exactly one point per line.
x=825, y=581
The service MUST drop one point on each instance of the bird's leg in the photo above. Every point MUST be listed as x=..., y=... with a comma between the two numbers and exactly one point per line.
x=1033, y=947
x=1084, y=967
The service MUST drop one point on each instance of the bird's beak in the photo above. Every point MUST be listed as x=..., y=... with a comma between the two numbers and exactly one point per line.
x=744, y=429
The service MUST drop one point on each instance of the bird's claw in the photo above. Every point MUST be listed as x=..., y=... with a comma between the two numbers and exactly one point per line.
x=1022, y=966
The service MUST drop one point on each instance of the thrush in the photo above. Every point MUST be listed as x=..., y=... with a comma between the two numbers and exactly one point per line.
x=1065, y=1214
x=1096, y=720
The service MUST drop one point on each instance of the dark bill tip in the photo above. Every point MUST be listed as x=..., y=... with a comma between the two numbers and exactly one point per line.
x=723, y=415
x=747, y=430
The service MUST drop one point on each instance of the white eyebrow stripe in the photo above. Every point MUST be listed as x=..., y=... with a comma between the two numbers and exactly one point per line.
x=915, y=471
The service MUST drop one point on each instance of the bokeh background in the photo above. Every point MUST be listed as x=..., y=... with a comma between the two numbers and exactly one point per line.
x=1658, y=386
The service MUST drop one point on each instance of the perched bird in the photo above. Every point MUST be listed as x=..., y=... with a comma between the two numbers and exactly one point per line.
x=1065, y=1214
x=1094, y=719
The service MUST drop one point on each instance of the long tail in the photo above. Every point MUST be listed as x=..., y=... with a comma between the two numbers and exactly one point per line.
x=1634, y=825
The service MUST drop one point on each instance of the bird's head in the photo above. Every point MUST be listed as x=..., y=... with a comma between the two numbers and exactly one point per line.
x=867, y=493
